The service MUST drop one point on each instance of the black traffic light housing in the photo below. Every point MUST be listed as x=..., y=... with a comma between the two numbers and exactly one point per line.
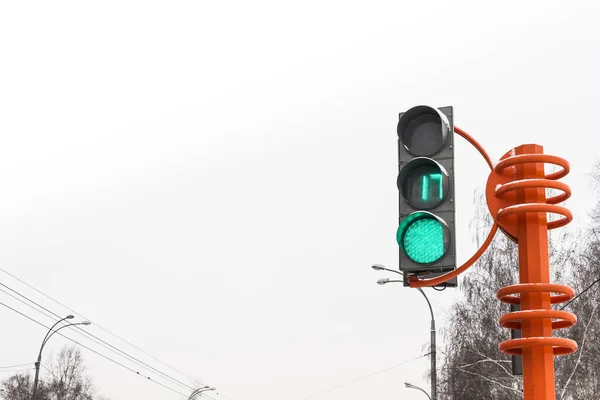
x=426, y=232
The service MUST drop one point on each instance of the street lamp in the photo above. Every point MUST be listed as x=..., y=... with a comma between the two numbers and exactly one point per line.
x=49, y=334
x=379, y=267
x=198, y=391
x=383, y=281
x=411, y=386
x=432, y=338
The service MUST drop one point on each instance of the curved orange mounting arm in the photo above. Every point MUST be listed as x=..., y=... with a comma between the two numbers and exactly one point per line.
x=416, y=282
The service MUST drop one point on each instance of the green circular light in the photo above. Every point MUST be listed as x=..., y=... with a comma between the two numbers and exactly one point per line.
x=422, y=238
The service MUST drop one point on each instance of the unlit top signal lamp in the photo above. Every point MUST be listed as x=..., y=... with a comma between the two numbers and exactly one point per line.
x=424, y=130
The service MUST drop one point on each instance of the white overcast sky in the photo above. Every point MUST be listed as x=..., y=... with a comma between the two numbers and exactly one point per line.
x=212, y=180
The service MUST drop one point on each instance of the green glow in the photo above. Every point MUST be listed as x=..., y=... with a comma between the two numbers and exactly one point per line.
x=425, y=188
x=438, y=178
x=422, y=238
x=425, y=184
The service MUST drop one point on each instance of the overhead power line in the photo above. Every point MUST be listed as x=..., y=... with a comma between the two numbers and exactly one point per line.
x=103, y=343
x=102, y=328
x=18, y=370
x=95, y=339
x=363, y=377
x=17, y=366
x=94, y=351
x=223, y=396
x=585, y=290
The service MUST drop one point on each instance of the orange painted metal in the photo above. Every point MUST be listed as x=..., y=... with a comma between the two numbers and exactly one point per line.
x=517, y=200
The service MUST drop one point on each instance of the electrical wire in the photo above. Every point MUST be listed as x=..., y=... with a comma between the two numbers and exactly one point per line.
x=49, y=371
x=95, y=339
x=18, y=370
x=100, y=327
x=17, y=366
x=363, y=377
x=225, y=397
x=94, y=351
x=586, y=289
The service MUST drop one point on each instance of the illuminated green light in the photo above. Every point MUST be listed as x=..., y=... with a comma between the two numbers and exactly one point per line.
x=422, y=238
x=425, y=186
x=438, y=178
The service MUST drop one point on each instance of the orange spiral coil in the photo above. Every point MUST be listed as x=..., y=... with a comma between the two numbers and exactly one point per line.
x=506, y=207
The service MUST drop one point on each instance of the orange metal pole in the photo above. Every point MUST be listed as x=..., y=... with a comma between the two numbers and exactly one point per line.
x=538, y=362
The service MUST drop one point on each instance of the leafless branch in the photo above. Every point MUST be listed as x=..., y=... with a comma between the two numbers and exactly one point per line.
x=562, y=394
x=497, y=362
x=492, y=381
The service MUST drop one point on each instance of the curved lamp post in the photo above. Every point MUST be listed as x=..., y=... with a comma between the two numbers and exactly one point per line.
x=432, y=339
x=49, y=334
x=411, y=386
x=379, y=267
x=198, y=391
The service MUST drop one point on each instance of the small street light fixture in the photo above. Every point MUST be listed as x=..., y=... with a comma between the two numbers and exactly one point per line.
x=379, y=267
x=411, y=386
x=200, y=390
x=383, y=281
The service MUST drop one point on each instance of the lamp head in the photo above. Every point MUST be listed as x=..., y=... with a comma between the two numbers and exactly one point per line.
x=86, y=323
x=70, y=316
x=378, y=267
x=383, y=281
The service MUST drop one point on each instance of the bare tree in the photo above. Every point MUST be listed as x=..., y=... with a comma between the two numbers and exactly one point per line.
x=69, y=379
x=66, y=380
x=18, y=387
x=578, y=374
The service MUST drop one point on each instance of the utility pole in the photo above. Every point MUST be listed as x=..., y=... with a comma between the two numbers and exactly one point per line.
x=432, y=350
x=432, y=331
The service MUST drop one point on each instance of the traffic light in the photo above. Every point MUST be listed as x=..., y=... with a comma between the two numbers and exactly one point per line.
x=426, y=186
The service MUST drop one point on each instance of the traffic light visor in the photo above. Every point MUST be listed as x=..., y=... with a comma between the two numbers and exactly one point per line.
x=423, y=237
x=423, y=183
x=423, y=131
